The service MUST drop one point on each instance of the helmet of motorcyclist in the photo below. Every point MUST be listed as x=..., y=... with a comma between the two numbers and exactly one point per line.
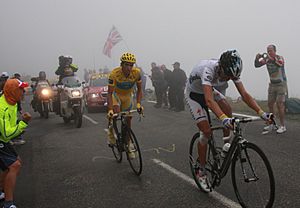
x=42, y=75
x=231, y=63
x=4, y=76
x=128, y=57
x=17, y=75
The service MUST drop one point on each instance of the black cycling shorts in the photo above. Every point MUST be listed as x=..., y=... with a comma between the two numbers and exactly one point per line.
x=8, y=155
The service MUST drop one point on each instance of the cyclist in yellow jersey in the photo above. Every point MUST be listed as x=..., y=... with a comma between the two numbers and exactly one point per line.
x=120, y=89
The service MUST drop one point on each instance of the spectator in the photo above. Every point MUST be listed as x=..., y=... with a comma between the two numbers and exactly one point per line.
x=144, y=80
x=17, y=76
x=18, y=140
x=157, y=78
x=167, y=78
x=10, y=162
x=86, y=76
x=179, y=77
x=277, y=91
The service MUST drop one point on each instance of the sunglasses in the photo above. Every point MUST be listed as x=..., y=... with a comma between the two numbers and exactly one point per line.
x=128, y=64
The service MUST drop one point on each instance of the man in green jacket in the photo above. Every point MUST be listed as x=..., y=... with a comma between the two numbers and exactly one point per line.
x=10, y=128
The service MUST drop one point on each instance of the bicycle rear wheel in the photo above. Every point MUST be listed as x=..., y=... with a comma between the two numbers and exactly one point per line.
x=133, y=153
x=252, y=177
x=194, y=165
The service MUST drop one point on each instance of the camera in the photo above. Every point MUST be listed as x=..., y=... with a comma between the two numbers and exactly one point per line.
x=265, y=55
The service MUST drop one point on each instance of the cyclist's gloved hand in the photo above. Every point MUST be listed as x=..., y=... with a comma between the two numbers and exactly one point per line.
x=227, y=122
x=110, y=114
x=264, y=115
x=139, y=108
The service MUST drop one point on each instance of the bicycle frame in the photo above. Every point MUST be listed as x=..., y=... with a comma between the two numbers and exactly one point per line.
x=238, y=139
x=121, y=134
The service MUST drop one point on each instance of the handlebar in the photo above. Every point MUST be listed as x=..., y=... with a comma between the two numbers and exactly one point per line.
x=127, y=113
x=236, y=121
x=122, y=113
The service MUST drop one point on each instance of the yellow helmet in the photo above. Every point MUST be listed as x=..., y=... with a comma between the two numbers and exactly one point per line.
x=128, y=57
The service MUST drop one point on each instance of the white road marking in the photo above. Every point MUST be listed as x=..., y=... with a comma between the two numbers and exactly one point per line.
x=172, y=149
x=90, y=119
x=151, y=101
x=215, y=195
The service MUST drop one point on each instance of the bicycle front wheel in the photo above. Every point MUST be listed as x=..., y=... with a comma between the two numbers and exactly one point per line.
x=252, y=177
x=194, y=164
x=116, y=148
x=133, y=153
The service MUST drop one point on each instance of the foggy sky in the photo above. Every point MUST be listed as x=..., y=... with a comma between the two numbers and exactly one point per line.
x=33, y=33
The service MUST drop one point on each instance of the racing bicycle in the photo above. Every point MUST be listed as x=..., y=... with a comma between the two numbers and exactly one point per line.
x=126, y=141
x=251, y=173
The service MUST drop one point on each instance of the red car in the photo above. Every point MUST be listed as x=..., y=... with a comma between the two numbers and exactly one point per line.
x=95, y=93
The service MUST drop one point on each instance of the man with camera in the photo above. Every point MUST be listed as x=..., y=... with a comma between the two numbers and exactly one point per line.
x=278, y=84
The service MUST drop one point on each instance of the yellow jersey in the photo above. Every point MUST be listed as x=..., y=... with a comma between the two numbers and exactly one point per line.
x=124, y=85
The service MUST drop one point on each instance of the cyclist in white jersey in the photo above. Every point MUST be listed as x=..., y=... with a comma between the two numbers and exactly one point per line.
x=200, y=96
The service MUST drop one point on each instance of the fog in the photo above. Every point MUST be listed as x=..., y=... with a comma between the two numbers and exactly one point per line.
x=35, y=32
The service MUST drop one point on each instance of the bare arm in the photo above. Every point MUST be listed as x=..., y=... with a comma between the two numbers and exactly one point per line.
x=279, y=60
x=247, y=98
x=210, y=102
x=139, y=92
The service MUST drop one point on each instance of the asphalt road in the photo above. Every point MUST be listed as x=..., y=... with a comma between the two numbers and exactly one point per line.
x=68, y=167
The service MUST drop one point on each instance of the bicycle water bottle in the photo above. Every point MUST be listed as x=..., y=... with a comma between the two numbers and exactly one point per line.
x=225, y=149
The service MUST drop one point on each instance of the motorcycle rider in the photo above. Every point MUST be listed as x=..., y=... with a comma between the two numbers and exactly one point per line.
x=3, y=78
x=65, y=63
x=65, y=68
x=41, y=77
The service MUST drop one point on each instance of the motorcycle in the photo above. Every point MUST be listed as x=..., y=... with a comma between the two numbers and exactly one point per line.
x=71, y=100
x=42, y=100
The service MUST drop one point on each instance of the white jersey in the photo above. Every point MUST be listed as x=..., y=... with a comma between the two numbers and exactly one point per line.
x=204, y=73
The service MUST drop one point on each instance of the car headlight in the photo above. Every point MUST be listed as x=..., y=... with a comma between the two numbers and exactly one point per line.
x=94, y=95
x=75, y=93
x=45, y=92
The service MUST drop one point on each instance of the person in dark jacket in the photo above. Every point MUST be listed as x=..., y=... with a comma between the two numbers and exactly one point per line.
x=167, y=78
x=65, y=62
x=157, y=78
x=179, y=80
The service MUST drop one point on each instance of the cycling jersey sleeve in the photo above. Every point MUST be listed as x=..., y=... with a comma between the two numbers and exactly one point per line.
x=207, y=76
